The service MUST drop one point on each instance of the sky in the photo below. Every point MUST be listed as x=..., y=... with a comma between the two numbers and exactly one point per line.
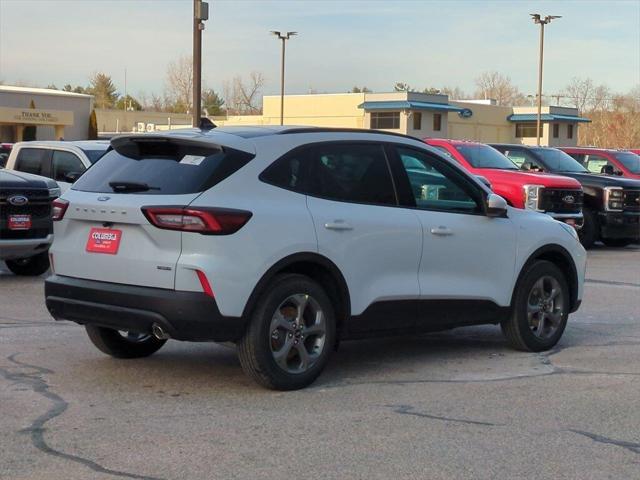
x=373, y=43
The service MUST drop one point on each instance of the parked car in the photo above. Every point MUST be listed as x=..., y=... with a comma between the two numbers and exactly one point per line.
x=557, y=196
x=611, y=204
x=62, y=161
x=26, y=230
x=5, y=150
x=286, y=240
x=606, y=161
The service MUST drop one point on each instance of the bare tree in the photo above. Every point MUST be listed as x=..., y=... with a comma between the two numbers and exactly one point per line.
x=498, y=87
x=578, y=93
x=615, y=119
x=242, y=97
x=455, y=93
x=179, y=87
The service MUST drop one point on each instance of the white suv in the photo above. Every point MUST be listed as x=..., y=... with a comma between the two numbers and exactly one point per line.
x=62, y=161
x=287, y=240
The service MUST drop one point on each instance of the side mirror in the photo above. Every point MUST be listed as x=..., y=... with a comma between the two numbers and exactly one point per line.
x=607, y=169
x=71, y=177
x=484, y=180
x=496, y=206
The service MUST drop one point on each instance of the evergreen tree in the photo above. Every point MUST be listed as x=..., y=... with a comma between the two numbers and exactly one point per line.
x=102, y=88
x=93, y=126
x=29, y=132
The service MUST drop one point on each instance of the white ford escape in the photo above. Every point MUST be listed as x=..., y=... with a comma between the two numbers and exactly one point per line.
x=287, y=240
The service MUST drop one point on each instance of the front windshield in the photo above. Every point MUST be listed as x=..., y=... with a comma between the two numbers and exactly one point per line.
x=483, y=156
x=558, y=161
x=631, y=161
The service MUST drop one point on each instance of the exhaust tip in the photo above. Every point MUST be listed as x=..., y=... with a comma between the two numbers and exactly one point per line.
x=159, y=332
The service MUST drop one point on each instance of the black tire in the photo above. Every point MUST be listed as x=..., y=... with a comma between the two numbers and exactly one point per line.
x=30, y=266
x=517, y=329
x=113, y=343
x=255, y=349
x=617, y=242
x=588, y=234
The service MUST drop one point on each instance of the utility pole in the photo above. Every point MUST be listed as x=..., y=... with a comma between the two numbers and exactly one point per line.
x=537, y=19
x=200, y=15
x=284, y=37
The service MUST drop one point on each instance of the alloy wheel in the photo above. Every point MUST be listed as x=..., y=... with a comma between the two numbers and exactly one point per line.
x=298, y=331
x=545, y=307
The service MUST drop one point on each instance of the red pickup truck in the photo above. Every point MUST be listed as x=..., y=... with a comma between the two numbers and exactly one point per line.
x=555, y=195
x=603, y=160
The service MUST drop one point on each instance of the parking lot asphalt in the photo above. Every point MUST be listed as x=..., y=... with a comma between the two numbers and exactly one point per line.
x=458, y=404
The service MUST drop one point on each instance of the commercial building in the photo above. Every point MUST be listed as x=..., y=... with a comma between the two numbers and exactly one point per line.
x=118, y=121
x=420, y=115
x=54, y=114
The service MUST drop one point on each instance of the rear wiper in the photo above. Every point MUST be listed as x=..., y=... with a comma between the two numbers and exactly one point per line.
x=122, y=187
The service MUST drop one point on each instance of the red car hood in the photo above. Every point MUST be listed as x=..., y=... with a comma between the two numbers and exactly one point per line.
x=527, y=178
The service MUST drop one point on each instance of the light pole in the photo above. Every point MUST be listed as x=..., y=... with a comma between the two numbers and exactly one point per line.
x=200, y=14
x=537, y=18
x=284, y=37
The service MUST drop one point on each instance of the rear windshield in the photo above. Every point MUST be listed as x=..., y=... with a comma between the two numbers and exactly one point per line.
x=631, y=161
x=94, y=155
x=167, y=170
x=557, y=161
x=483, y=156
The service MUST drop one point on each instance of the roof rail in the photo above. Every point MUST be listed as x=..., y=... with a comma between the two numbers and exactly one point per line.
x=342, y=130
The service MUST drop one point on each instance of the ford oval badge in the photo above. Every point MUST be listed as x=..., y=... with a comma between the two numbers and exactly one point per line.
x=18, y=200
x=103, y=199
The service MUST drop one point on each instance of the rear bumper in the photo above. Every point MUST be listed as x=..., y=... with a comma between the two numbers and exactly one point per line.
x=620, y=225
x=12, y=249
x=191, y=316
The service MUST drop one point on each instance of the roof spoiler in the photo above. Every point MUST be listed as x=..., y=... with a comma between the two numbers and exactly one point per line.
x=140, y=145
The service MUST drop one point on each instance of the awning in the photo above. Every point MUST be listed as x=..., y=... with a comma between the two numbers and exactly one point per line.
x=546, y=117
x=409, y=105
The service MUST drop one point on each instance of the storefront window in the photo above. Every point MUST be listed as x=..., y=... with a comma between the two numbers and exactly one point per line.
x=385, y=120
x=417, y=120
x=437, y=122
x=527, y=129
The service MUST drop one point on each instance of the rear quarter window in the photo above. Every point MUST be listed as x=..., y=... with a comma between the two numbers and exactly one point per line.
x=166, y=170
x=32, y=160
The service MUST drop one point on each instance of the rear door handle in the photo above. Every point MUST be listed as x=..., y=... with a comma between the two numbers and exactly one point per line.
x=338, y=225
x=442, y=231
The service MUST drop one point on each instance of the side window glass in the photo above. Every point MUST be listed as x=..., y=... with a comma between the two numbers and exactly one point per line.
x=435, y=186
x=595, y=163
x=31, y=160
x=285, y=173
x=65, y=163
x=351, y=173
x=446, y=152
x=523, y=159
x=516, y=157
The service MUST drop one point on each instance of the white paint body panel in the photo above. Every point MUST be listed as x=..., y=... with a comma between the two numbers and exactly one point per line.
x=378, y=256
x=475, y=260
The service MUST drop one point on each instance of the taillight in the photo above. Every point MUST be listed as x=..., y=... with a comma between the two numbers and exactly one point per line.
x=208, y=221
x=58, y=209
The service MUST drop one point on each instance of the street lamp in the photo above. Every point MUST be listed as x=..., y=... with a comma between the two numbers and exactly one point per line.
x=284, y=37
x=538, y=19
x=200, y=14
